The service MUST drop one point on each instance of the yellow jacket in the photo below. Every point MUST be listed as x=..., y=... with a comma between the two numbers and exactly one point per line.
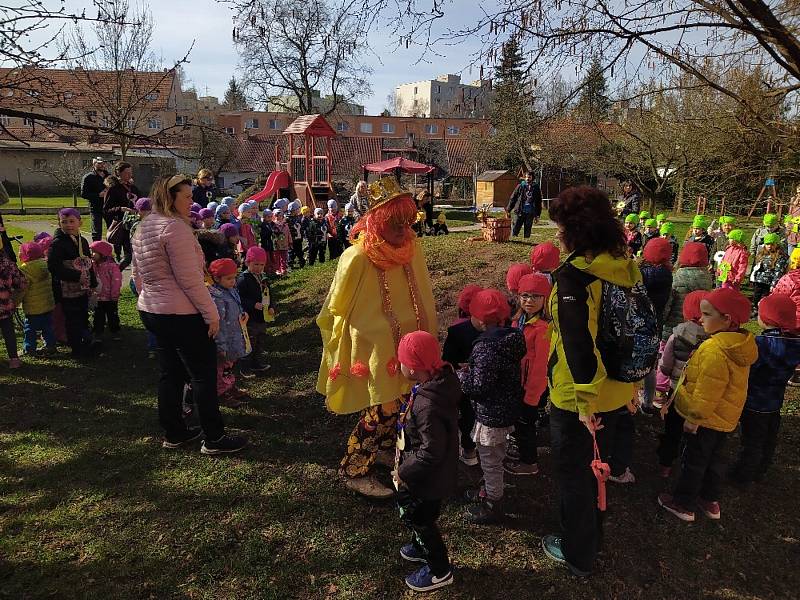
x=359, y=357
x=576, y=375
x=38, y=297
x=715, y=381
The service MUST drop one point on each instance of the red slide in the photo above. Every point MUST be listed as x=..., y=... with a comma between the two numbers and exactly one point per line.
x=277, y=180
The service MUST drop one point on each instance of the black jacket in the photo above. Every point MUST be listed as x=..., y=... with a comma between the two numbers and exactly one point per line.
x=657, y=280
x=91, y=186
x=518, y=198
x=200, y=194
x=63, y=248
x=7, y=249
x=458, y=343
x=429, y=462
x=117, y=199
x=251, y=291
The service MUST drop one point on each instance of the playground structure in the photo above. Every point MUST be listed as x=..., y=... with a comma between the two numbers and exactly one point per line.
x=398, y=166
x=303, y=164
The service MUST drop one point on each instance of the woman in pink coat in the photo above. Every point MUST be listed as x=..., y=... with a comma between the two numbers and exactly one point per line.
x=176, y=306
x=733, y=266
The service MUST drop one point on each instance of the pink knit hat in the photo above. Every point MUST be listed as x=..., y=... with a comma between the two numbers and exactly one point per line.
x=420, y=351
x=30, y=251
x=102, y=247
x=255, y=254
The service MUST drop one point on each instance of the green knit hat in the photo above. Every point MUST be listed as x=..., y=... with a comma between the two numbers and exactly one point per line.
x=772, y=238
x=631, y=218
x=661, y=217
x=737, y=235
x=650, y=223
x=667, y=228
x=726, y=220
x=770, y=220
x=787, y=219
x=699, y=222
x=644, y=215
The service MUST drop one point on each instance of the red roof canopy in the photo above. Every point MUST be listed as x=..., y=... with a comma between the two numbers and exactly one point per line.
x=313, y=125
x=398, y=162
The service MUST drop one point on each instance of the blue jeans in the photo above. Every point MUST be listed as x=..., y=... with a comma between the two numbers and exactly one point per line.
x=33, y=325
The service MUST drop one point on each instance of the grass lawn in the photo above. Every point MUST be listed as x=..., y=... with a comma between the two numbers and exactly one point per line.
x=44, y=201
x=92, y=507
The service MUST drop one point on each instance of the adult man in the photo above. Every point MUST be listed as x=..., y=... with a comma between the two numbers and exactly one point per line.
x=91, y=187
x=527, y=198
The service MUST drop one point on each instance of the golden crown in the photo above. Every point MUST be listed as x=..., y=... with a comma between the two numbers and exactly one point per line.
x=383, y=190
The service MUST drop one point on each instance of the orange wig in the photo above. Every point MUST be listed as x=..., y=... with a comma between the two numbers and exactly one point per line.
x=369, y=231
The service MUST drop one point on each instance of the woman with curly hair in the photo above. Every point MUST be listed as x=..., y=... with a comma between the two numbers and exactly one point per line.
x=380, y=292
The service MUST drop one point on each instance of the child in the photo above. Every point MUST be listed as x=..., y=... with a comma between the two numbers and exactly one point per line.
x=771, y=226
x=666, y=231
x=427, y=453
x=230, y=202
x=317, y=235
x=109, y=278
x=419, y=224
x=268, y=241
x=643, y=216
x=533, y=293
x=769, y=266
x=70, y=264
x=778, y=355
x=493, y=382
x=710, y=400
x=661, y=218
x=37, y=301
x=230, y=245
x=440, y=227
x=256, y=298
x=247, y=237
x=632, y=236
x=515, y=272
x=131, y=220
x=346, y=223
x=650, y=231
x=232, y=344
x=545, y=258
x=684, y=340
x=461, y=336
x=726, y=225
x=281, y=238
x=222, y=216
x=12, y=286
x=691, y=275
x=789, y=284
x=699, y=233
x=295, y=222
x=206, y=218
x=733, y=266
x=332, y=219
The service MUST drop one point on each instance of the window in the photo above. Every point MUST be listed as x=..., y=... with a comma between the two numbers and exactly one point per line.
x=210, y=121
x=430, y=128
x=230, y=130
x=5, y=120
x=39, y=163
x=438, y=89
x=91, y=115
x=342, y=126
x=154, y=123
x=27, y=121
x=152, y=96
x=33, y=93
x=387, y=128
x=67, y=95
x=452, y=130
x=366, y=128
x=274, y=124
x=130, y=123
x=251, y=124
x=415, y=90
x=180, y=120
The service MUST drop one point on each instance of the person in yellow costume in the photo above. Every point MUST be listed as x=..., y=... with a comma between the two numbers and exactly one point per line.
x=380, y=292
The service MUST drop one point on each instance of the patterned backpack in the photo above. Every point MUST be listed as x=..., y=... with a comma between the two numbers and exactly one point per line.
x=627, y=332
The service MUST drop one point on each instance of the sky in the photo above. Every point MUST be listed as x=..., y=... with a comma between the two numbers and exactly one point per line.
x=213, y=59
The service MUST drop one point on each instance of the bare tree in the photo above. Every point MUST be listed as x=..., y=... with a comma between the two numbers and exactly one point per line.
x=67, y=171
x=294, y=50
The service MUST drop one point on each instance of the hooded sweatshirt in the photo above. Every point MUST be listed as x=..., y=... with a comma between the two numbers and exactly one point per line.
x=715, y=386
x=684, y=281
x=429, y=461
x=577, y=377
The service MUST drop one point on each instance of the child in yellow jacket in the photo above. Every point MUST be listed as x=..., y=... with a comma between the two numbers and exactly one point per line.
x=710, y=400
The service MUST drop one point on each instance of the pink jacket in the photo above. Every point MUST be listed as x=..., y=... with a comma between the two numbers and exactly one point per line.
x=110, y=278
x=168, y=269
x=737, y=257
x=789, y=284
x=247, y=237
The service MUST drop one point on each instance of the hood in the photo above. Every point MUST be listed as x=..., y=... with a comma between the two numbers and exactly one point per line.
x=445, y=389
x=509, y=343
x=691, y=332
x=738, y=346
x=36, y=270
x=619, y=271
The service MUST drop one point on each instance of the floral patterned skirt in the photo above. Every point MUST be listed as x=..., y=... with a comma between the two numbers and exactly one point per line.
x=376, y=430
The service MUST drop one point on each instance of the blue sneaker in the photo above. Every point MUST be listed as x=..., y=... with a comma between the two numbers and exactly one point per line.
x=412, y=554
x=551, y=544
x=425, y=581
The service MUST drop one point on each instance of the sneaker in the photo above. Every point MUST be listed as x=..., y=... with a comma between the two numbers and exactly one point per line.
x=411, y=553
x=626, y=477
x=551, y=544
x=794, y=381
x=14, y=363
x=475, y=494
x=259, y=368
x=520, y=468
x=246, y=373
x=664, y=472
x=190, y=435
x=485, y=512
x=667, y=503
x=425, y=581
x=227, y=444
x=710, y=509
x=512, y=453
x=469, y=457
x=368, y=486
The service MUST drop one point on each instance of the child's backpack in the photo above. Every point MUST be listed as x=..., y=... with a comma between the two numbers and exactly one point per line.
x=627, y=332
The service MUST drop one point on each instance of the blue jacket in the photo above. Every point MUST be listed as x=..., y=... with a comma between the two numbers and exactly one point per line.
x=230, y=339
x=778, y=355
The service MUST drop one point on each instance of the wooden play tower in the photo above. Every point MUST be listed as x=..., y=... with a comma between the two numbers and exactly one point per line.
x=307, y=158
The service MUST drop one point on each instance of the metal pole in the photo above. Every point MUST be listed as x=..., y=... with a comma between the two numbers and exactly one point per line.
x=19, y=187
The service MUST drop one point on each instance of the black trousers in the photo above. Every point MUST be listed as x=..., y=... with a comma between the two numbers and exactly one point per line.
x=573, y=451
x=334, y=248
x=466, y=421
x=258, y=340
x=420, y=517
x=186, y=355
x=759, y=439
x=126, y=250
x=9, y=336
x=525, y=434
x=96, y=211
x=525, y=219
x=296, y=253
x=669, y=442
x=76, y=322
x=316, y=251
x=701, y=467
x=616, y=441
x=759, y=291
x=106, y=310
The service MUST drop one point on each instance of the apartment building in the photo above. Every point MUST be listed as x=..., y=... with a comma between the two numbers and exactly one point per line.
x=443, y=96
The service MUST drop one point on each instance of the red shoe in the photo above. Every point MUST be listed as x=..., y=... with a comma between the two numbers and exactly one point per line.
x=710, y=509
x=664, y=472
x=668, y=504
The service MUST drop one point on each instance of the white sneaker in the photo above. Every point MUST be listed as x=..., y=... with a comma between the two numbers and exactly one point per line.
x=626, y=477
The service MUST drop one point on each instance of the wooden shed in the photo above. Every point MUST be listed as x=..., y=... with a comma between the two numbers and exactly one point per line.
x=495, y=187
